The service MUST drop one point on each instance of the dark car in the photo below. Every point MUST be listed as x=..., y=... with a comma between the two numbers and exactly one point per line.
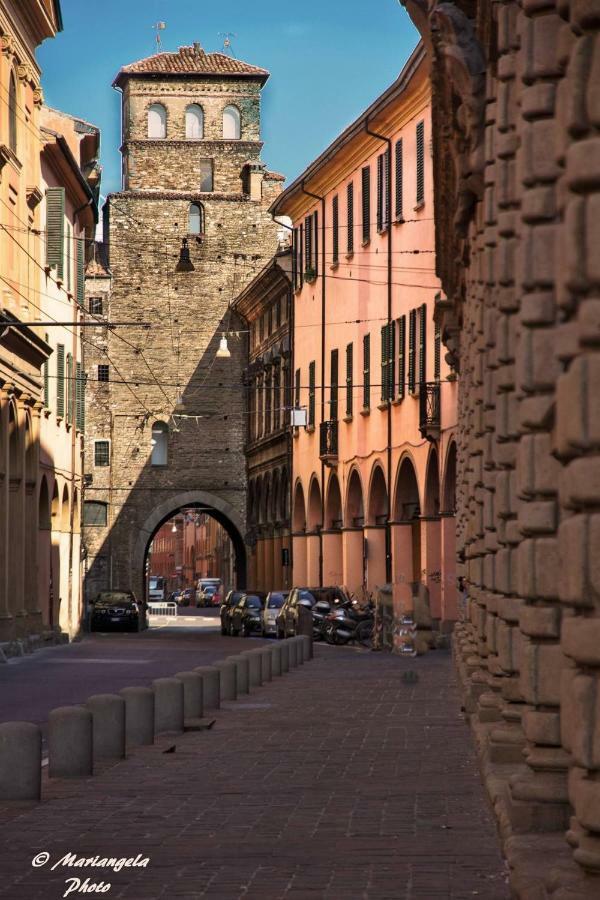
x=245, y=616
x=230, y=600
x=273, y=603
x=208, y=596
x=116, y=610
x=187, y=597
x=287, y=619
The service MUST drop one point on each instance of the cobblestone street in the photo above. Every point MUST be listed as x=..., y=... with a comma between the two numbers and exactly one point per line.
x=336, y=781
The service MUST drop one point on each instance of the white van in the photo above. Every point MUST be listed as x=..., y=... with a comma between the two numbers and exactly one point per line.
x=212, y=596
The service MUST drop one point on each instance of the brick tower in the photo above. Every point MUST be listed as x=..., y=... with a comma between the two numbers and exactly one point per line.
x=165, y=415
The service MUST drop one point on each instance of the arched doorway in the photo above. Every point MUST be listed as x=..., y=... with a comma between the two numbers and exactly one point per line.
x=431, y=535
x=355, y=572
x=406, y=537
x=332, y=535
x=203, y=502
x=299, y=539
x=55, y=573
x=44, y=551
x=314, y=523
x=16, y=513
x=449, y=598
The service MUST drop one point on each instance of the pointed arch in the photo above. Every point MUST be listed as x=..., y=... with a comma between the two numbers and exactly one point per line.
x=157, y=121
x=64, y=510
x=407, y=506
x=431, y=500
x=314, y=516
x=15, y=463
x=232, y=123
x=44, y=518
x=55, y=508
x=378, y=498
x=333, y=503
x=299, y=511
x=355, y=508
x=194, y=122
x=449, y=486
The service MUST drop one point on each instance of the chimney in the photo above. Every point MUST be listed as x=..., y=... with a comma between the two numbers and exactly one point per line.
x=197, y=48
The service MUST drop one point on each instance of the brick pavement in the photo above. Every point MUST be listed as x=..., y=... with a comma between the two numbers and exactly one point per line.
x=336, y=781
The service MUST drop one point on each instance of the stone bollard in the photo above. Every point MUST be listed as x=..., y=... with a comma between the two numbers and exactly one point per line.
x=139, y=716
x=242, y=677
x=168, y=705
x=108, y=732
x=285, y=656
x=211, y=686
x=254, y=668
x=293, y=651
x=266, y=663
x=275, y=650
x=20, y=761
x=298, y=641
x=308, y=647
x=228, y=679
x=303, y=642
x=192, y=694
x=70, y=745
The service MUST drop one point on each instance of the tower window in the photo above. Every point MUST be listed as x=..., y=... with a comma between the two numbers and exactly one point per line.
x=96, y=306
x=206, y=175
x=101, y=453
x=232, y=125
x=194, y=122
x=157, y=121
x=160, y=444
x=196, y=219
x=103, y=373
x=95, y=513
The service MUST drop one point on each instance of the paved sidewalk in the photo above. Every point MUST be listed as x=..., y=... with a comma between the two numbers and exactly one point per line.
x=335, y=781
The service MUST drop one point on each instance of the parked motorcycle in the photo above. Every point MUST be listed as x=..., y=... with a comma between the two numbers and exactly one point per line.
x=348, y=622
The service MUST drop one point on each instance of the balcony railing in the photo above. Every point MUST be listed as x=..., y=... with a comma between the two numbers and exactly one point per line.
x=429, y=409
x=328, y=445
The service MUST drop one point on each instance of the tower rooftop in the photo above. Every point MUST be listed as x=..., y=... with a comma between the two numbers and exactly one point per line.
x=192, y=60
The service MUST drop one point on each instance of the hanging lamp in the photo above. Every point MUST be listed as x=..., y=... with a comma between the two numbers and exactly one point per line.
x=185, y=263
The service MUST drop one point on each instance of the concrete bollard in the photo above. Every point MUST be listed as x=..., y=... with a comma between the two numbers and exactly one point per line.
x=299, y=649
x=139, y=716
x=242, y=676
x=20, y=761
x=108, y=732
x=228, y=679
x=70, y=744
x=168, y=705
x=285, y=656
x=266, y=663
x=293, y=651
x=192, y=694
x=307, y=645
x=275, y=659
x=211, y=686
x=254, y=668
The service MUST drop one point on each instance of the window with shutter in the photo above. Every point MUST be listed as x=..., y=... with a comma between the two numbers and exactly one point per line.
x=60, y=380
x=391, y=351
x=55, y=229
x=333, y=391
x=301, y=255
x=350, y=217
x=388, y=341
x=366, y=204
x=70, y=381
x=297, y=389
x=69, y=255
x=387, y=195
x=384, y=363
x=80, y=271
x=399, y=175
x=335, y=229
x=315, y=263
x=420, y=163
x=367, y=371
x=349, y=385
x=380, y=190
x=401, y=357
x=437, y=362
x=80, y=380
x=423, y=344
x=311, y=394
x=412, y=339
x=308, y=243
x=47, y=379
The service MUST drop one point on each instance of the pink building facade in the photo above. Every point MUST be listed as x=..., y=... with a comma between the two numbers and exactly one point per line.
x=374, y=468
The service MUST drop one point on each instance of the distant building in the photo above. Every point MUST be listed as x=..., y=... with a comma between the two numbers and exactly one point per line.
x=265, y=305
x=374, y=468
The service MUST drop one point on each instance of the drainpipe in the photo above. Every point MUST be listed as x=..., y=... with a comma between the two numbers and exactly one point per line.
x=323, y=308
x=388, y=530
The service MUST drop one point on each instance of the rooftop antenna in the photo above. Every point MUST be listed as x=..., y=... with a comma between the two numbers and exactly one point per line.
x=227, y=35
x=158, y=27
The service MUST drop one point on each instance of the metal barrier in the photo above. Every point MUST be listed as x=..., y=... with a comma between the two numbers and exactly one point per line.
x=162, y=609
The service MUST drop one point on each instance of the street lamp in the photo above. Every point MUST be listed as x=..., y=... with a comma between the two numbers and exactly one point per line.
x=223, y=352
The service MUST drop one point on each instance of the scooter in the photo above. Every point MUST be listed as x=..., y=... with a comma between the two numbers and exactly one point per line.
x=349, y=623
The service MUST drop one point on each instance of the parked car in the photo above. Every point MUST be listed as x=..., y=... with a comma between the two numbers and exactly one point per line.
x=273, y=603
x=246, y=616
x=230, y=600
x=173, y=597
x=114, y=610
x=287, y=618
x=187, y=597
x=209, y=595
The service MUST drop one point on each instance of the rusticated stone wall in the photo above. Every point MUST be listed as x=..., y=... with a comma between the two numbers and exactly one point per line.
x=516, y=118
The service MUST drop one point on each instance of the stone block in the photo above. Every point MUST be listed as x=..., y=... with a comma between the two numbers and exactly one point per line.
x=583, y=165
x=578, y=574
x=540, y=665
x=541, y=728
x=538, y=568
x=580, y=482
x=537, y=517
x=580, y=636
x=540, y=621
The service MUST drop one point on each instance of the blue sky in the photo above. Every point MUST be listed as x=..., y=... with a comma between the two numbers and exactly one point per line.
x=328, y=60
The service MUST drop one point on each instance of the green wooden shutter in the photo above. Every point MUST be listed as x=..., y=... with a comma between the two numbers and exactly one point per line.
x=333, y=391
x=315, y=218
x=384, y=362
x=80, y=271
x=308, y=243
x=437, y=363
x=80, y=380
x=380, y=192
x=391, y=350
x=335, y=222
x=60, y=380
x=69, y=255
x=350, y=217
x=423, y=344
x=301, y=255
x=401, y=357
x=399, y=176
x=420, y=163
x=55, y=229
x=70, y=382
x=388, y=194
x=295, y=258
x=366, y=203
x=367, y=371
x=412, y=339
x=297, y=389
x=349, y=385
x=311, y=393
x=46, y=372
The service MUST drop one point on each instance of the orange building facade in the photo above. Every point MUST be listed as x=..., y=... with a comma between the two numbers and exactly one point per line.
x=190, y=546
x=374, y=468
